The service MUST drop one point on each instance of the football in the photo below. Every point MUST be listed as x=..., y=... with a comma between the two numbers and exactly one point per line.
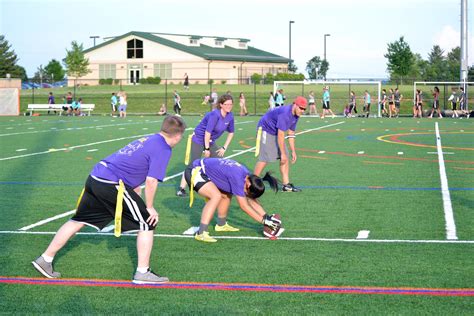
x=272, y=233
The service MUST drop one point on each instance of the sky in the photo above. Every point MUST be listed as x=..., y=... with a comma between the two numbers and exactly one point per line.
x=360, y=30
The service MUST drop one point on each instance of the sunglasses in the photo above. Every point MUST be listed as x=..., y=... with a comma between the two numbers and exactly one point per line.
x=302, y=108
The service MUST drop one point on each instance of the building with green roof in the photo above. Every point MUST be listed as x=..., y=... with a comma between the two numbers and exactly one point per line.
x=136, y=55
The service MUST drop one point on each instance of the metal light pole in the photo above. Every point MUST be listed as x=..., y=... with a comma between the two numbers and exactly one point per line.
x=325, y=35
x=291, y=22
x=94, y=37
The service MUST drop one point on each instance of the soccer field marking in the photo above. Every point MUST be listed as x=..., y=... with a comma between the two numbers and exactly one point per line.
x=245, y=287
x=47, y=220
x=447, y=205
x=395, y=139
x=363, y=234
x=256, y=238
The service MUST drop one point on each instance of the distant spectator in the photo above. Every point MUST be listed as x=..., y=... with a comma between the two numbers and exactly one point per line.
x=366, y=103
x=463, y=103
x=113, y=104
x=177, y=103
x=418, y=107
x=186, y=82
x=69, y=98
x=453, y=99
x=162, y=110
x=279, y=98
x=271, y=101
x=435, y=107
x=51, y=101
x=398, y=99
x=75, y=108
x=326, y=102
x=206, y=100
x=243, y=106
x=312, y=104
x=383, y=103
x=122, y=104
x=214, y=98
x=352, y=103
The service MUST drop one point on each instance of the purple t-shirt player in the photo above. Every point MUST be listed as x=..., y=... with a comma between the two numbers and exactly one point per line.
x=228, y=175
x=144, y=157
x=280, y=118
x=214, y=123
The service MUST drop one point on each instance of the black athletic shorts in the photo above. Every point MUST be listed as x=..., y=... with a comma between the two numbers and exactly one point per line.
x=326, y=105
x=97, y=206
x=397, y=104
x=200, y=181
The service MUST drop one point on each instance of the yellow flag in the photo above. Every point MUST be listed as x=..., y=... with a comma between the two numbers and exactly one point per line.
x=257, y=145
x=188, y=149
x=119, y=209
x=191, y=185
x=79, y=199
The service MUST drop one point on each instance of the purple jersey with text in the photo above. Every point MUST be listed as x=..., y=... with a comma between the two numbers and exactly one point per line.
x=228, y=175
x=280, y=118
x=214, y=123
x=144, y=157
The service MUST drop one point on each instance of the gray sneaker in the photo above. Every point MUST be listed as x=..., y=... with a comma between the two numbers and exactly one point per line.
x=148, y=278
x=45, y=268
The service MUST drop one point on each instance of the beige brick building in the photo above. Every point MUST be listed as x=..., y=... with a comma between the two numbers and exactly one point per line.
x=136, y=55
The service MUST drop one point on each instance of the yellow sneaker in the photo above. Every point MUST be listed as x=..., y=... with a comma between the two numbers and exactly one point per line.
x=225, y=228
x=204, y=237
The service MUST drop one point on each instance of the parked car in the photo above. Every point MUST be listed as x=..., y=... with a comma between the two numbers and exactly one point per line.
x=25, y=86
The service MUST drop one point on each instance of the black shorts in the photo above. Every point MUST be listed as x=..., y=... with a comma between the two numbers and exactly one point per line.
x=97, y=207
x=326, y=105
x=390, y=103
x=454, y=105
x=397, y=104
x=201, y=179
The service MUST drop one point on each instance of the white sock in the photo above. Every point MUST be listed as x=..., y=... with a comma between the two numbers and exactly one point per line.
x=142, y=269
x=46, y=258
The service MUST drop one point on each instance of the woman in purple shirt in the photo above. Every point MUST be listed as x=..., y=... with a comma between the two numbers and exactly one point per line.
x=211, y=127
x=217, y=180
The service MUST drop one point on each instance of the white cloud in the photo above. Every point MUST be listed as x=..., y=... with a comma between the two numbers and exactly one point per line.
x=448, y=38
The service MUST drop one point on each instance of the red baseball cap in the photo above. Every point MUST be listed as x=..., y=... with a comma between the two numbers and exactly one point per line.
x=301, y=102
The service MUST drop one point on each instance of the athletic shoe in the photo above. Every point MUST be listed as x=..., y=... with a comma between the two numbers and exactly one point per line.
x=181, y=193
x=204, y=237
x=290, y=188
x=45, y=268
x=148, y=278
x=226, y=228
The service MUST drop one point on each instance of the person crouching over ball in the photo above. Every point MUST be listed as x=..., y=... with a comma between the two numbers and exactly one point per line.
x=217, y=180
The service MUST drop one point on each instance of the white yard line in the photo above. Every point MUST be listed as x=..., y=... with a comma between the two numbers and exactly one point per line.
x=401, y=241
x=42, y=222
x=45, y=221
x=448, y=208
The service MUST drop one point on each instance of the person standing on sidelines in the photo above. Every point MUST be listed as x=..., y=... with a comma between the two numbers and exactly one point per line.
x=398, y=99
x=271, y=147
x=436, y=103
x=418, y=108
x=110, y=194
x=51, y=101
x=177, y=103
x=203, y=140
x=326, y=100
x=271, y=101
x=113, y=104
x=279, y=98
x=122, y=104
x=391, y=102
x=367, y=103
x=218, y=180
x=243, y=106
x=463, y=103
x=312, y=104
x=186, y=82
x=383, y=103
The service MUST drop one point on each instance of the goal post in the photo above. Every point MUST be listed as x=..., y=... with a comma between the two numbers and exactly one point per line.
x=445, y=90
x=9, y=101
x=339, y=89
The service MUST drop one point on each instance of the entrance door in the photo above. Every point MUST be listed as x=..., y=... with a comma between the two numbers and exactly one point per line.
x=134, y=76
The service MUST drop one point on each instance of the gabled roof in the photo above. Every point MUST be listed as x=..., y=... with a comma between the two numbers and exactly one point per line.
x=226, y=53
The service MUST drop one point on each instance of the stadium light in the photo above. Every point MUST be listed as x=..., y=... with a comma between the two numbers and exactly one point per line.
x=325, y=35
x=291, y=22
x=94, y=37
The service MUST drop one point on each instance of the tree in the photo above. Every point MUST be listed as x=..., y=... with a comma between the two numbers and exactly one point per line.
x=39, y=74
x=400, y=59
x=76, y=64
x=313, y=67
x=54, y=71
x=437, y=69
x=8, y=61
x=324, y=68
x=454, y=64
x=292, y=67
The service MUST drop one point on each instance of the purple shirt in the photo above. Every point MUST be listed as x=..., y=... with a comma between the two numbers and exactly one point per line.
x=280, y=118
x=144, y=157
x=228, y=175
x=214, y=123
x=51, y=99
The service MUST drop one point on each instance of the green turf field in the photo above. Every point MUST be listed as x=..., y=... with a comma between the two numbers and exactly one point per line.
x=378, y=175
x=148, y=98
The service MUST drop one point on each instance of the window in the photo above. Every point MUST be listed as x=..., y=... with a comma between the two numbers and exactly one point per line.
x=134, y=48
x=193, y=41
x=162, y=70
x=107, y=71
x=242, y=45
x=218, y=43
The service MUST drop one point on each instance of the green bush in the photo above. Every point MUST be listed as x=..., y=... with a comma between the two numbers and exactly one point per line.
x=151, y=80
x=223, y=81
x=256, y=78
x=288, y=77
x=268, y=78
x=107, y=81
x=210, y=81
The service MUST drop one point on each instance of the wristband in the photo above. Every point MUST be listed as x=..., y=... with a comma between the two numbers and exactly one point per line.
x=223, y=147
x=207, y=149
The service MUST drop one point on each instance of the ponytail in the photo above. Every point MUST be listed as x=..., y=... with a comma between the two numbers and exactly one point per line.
x=257, y=187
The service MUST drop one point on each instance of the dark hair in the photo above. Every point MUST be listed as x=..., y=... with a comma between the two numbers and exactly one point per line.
x=173, y=125
x=436, y=89
x=257, y=187
x=223, y=98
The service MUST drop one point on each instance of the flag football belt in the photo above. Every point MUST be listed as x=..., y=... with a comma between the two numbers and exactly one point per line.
x=257, y=144
x=188, y=149
x=194, y=173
